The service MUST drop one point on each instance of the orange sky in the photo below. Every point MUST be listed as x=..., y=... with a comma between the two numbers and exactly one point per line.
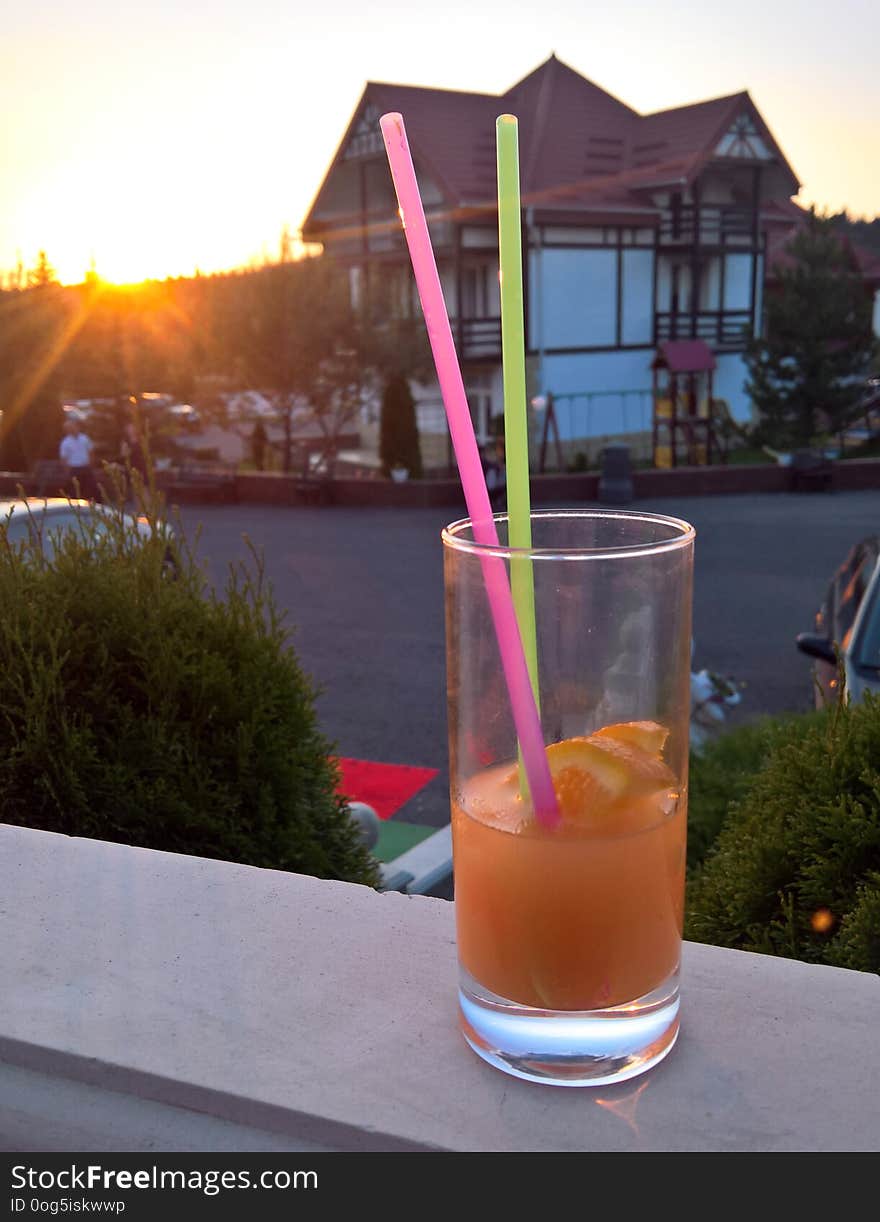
x=157, y=139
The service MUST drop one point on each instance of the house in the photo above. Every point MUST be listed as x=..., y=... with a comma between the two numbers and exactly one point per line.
x=637, y=230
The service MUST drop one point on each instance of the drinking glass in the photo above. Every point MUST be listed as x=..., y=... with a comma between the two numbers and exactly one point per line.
x=569, y=936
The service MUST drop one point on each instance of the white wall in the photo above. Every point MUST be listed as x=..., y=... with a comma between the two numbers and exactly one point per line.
x=636, y=320
x=710, y=285
x=737, y=282
x=573, y=297
x=664, y=283
x=603, y=375
x=728, y=383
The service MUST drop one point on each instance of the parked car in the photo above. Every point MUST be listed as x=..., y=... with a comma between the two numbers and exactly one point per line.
x=848, y=625
x=42, y=519
x=185, y=413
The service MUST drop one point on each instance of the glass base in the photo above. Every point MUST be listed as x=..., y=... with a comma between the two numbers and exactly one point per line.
x=570, y=1047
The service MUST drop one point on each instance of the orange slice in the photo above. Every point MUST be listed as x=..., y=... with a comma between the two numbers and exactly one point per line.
x=586, y=777
x=649, y=735
x=590, y=775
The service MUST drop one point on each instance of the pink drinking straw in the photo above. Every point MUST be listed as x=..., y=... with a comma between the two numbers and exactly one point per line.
x=467, y=455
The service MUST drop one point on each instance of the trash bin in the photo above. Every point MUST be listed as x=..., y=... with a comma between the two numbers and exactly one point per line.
x=811, y=472
x=615, y=478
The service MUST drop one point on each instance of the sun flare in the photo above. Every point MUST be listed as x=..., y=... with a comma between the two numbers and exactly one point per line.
x=124, y=231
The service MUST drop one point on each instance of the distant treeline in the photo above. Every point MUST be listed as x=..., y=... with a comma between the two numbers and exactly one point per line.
x=863, y=233
x=289, y=329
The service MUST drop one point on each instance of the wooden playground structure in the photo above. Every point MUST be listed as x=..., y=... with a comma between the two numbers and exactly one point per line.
x=683, y=428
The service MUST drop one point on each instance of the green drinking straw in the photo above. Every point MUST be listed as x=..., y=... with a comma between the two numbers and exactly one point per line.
x=516, y=434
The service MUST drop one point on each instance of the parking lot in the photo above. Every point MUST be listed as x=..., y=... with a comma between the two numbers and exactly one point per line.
x=363, y=591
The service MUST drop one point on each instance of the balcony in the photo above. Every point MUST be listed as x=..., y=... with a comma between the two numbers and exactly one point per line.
x=155, y=1001
x=478, y=338
x=729, y=329
x=707, y=225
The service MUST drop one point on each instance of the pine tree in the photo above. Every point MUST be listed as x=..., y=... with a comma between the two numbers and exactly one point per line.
x=43, y=274
x=805, y=374
x=399, y=434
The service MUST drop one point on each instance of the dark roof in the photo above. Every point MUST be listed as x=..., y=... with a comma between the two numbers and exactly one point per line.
x=453, y=133
x=569, y=128
x=684, y=356
x=683, y=132
x=580, y=147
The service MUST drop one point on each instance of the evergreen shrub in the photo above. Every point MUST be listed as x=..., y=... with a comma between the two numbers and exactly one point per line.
x=795, y=868
x=399, y=434
x=722, y=773
x=140, y=706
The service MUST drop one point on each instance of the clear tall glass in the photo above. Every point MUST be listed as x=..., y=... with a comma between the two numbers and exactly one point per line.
x=569, y=936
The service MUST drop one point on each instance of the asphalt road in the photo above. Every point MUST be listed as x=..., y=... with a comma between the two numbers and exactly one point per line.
x=363, y=592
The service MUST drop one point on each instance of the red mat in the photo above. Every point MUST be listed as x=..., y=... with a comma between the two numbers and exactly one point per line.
x=385, y=787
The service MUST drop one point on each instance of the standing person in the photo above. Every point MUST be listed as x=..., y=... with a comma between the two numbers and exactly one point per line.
x=76, y=452
x=134, y=456
x=258, y=445
x=133, y=450
x=492, y=461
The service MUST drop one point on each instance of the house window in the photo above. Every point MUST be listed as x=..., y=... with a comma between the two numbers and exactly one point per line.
x=475, y=291
x=479, y=397
x=743, y=140
x=401, y=283
x=356, y=286
x=366, y=139
x=390, y=292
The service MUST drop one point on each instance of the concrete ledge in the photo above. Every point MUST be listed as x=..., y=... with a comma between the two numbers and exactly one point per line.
x=165, y=987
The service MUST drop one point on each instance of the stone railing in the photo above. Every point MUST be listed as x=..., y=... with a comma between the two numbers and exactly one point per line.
x=162, y=1002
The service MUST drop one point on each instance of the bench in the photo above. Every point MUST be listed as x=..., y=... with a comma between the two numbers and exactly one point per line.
x=200, y=483
x=312, y=481
x=50, y=477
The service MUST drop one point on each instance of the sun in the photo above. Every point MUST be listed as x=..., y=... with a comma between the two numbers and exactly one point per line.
x=128, y=232
x=126, y=221
x=126, y=247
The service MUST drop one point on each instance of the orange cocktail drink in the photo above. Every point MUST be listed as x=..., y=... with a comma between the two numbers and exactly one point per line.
x=569, y=915
x=584, y=916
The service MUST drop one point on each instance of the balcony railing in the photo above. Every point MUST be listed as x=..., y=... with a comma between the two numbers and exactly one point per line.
x=707, y=225
x=720, y=328
x=475, y=338
x=479, y=337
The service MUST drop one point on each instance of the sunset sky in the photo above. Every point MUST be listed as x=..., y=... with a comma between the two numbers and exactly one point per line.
x=156, y=139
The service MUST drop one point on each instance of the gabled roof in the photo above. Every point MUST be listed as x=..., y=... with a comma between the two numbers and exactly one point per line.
x=569, y=128
x=579, y=145
x=688, y=135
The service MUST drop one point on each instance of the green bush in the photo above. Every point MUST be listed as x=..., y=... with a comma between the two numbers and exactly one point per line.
x=723, y=773
x=399, y=434
x=142, y=707
x=795, y=869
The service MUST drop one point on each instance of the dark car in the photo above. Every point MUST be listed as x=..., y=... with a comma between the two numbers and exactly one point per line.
x=848, y=625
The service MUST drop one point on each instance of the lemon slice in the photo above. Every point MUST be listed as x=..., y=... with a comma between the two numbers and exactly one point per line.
x=649, y=735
